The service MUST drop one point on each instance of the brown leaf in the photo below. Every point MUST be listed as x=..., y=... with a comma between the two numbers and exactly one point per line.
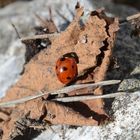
x=92, y=42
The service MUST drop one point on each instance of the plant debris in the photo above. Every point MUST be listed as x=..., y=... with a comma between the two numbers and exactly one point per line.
x=92, y=41
x=35, y=46
x=135, y=22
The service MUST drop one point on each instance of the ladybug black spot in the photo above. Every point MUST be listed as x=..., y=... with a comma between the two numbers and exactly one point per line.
x=68, y=78
x=56, y=67
x=64, y=68
x=62, y=59
x=73, y=66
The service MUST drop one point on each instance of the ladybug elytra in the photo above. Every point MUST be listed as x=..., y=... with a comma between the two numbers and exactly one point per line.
x=66, y=69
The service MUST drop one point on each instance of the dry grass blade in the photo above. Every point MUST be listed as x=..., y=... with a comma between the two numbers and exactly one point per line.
x=20, y=101
x=90, y=97
x=63, y=90
x=44, y=36
x=80, y=86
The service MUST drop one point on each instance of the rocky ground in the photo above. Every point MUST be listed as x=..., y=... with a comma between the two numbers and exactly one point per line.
x=126, y=108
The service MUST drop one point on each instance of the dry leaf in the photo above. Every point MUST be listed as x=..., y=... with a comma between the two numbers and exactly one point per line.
x=92, y=42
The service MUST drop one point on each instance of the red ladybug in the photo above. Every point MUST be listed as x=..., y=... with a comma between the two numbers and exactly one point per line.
x=66, y=69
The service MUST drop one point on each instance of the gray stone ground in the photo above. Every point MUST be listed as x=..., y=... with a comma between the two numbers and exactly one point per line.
x=126, y=124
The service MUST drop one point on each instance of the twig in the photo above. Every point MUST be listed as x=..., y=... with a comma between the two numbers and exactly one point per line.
x=44, y=36
x=129, y=18
x=41, y=19
x=62, y=16
x=90, y=97
x=60, y=91
x=133, y=17
x=70, y=10
x=16, y=30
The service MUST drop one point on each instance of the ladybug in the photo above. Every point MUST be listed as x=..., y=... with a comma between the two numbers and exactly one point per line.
x=66, y=69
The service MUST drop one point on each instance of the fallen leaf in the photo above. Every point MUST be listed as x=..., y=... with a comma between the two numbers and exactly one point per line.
x=92, y=41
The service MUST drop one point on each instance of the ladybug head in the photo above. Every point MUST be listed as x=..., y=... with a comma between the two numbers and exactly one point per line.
x=71, y=55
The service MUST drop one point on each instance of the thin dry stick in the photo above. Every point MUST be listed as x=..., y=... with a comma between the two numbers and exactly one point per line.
x=129, y=18
x=40, y=19
x=16, y=30
x=69, y=9
x=62, y=16
x=44, y=36
x=133, y=17
x=63, y=90
x=50, y=14
x=91, y=97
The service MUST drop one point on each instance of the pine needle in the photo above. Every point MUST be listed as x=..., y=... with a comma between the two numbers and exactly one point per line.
x=90, y=97
x=60, y=91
